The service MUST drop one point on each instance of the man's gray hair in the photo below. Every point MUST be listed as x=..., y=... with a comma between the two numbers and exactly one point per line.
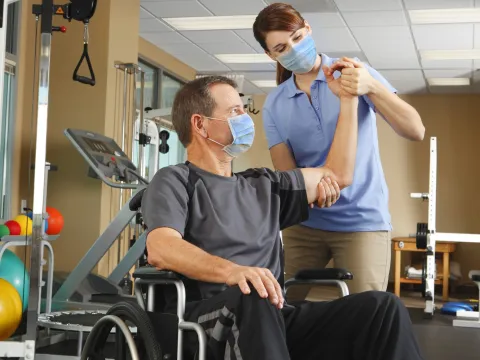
x=195, y=98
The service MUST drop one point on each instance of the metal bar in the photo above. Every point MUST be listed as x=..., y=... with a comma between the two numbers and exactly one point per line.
x=95, y=253
x=51, y=261
x=39, y=175
x=141, y=147
x=432, y=197
x=129, y=260
x=453, y=237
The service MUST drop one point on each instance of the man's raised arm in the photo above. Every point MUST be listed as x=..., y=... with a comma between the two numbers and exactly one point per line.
x=340, y=164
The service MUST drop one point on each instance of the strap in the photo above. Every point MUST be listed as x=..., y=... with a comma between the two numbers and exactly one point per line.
x=84, y=79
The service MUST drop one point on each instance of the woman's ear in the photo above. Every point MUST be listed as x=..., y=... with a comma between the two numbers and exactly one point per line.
x=270, y=55
x=308, y=27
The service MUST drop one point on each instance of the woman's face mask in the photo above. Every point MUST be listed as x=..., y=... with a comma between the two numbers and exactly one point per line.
x=242, y=128
x=301, y=58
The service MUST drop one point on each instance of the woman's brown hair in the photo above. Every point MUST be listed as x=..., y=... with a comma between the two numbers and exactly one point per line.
x=277, y=17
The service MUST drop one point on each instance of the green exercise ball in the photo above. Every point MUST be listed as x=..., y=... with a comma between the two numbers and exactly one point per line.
x=13, y=270
x=4, y=231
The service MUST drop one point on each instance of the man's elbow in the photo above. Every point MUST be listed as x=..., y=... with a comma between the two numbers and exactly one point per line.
x=155, y=257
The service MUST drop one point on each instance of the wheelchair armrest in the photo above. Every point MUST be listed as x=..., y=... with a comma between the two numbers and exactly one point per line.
x=150, y=273
x=324, y=274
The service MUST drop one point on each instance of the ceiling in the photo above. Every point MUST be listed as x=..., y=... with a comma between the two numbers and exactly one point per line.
x=378, y=32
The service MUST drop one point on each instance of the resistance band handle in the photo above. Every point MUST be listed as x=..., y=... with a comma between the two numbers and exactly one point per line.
x=84, y=79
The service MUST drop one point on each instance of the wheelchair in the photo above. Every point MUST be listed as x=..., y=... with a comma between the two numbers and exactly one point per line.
x=162, y=333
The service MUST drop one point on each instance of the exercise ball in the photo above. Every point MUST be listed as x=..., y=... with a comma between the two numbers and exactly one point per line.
x=30, y=215
x=55, y=221
x=4, y=231
x=10, y=310
x=13, y=270
x=13, y=226
x=25, y=224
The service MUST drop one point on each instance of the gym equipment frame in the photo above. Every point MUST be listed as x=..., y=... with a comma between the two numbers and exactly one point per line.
x=427, y=237
x=79, y=10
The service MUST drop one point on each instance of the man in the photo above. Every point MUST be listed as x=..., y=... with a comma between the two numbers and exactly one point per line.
x=221, y=232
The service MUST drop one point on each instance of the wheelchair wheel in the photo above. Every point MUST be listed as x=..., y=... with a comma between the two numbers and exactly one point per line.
x=131, y=314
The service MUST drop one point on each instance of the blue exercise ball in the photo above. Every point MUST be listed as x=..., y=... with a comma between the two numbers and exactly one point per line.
x=30, y=215
x=13, y=270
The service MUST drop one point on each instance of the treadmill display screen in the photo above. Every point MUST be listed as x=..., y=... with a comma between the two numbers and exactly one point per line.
x=98, y=146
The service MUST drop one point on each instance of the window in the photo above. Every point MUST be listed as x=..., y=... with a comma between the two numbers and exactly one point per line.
x=8, y=114
x=160, y=89
x=150, y=91
x=12, y=33
x=169, y=87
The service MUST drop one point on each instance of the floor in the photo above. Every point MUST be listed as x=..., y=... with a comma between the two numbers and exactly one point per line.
x=437, y=337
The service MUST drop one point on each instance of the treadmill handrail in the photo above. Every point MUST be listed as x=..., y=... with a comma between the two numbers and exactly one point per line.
x=100, y=174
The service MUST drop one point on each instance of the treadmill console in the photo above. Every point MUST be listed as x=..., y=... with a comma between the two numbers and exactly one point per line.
x=105, y=157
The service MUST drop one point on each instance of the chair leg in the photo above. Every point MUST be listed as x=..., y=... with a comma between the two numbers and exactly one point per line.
x=202, y=337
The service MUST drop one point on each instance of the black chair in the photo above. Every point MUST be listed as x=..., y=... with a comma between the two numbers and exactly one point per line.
x=147, y=279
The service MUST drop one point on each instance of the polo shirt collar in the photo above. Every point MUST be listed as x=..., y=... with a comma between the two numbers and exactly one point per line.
x=292, y=89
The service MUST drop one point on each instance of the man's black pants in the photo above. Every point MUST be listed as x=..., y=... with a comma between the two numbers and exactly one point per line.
x=365, y=326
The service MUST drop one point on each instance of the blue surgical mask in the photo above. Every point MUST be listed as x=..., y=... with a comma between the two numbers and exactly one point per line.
x=301, y=57
x=243, y=133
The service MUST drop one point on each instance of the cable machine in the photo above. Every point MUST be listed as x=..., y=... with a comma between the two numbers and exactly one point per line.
x=78, y=10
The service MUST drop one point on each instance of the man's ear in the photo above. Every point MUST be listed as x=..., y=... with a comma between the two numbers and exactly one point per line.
x=198, y=125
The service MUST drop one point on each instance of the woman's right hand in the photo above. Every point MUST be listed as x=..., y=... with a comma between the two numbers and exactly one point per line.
x=335, y=85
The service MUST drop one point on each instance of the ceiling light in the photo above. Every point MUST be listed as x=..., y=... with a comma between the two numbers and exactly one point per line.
x=448, y=81
x=265, y=83
x=445, y=16
x=244, y=58
x=473, y=54
x=212, y=22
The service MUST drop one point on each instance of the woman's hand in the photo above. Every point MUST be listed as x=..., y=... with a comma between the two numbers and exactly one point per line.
x=335, y=85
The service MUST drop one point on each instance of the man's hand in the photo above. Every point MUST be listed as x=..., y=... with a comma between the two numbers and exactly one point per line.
x=262, y=280
x=356, y=80
x=335, y=85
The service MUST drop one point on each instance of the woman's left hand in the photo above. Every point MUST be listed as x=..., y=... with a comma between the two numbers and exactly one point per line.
x=335, y=85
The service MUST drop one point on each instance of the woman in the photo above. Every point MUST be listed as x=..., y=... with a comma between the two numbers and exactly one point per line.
x=300, y=118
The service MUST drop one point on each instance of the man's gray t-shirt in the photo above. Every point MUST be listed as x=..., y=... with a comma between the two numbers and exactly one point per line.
x=238, y=218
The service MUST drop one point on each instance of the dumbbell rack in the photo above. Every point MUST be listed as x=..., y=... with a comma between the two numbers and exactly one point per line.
x=426, y=238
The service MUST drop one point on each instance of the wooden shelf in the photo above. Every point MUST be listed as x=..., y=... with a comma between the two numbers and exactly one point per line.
x=418, y=281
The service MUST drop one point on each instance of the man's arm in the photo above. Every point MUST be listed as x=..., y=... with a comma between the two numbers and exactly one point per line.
x=167, y=250
x=341, y=157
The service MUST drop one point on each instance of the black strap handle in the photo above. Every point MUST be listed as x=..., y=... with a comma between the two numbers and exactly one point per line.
x=85, y=56
x=84, y=79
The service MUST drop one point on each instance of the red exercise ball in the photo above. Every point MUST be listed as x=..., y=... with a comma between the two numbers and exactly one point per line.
x=55, y=221
x=13, y=226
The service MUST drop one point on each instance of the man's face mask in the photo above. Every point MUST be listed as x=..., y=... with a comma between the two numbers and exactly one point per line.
x=243, y=133
x=301, y=58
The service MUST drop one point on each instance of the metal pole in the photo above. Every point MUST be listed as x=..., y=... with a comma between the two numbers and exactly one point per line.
x=39, y=177
x=141, y=146
x=124, y=120
x=432, y=203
